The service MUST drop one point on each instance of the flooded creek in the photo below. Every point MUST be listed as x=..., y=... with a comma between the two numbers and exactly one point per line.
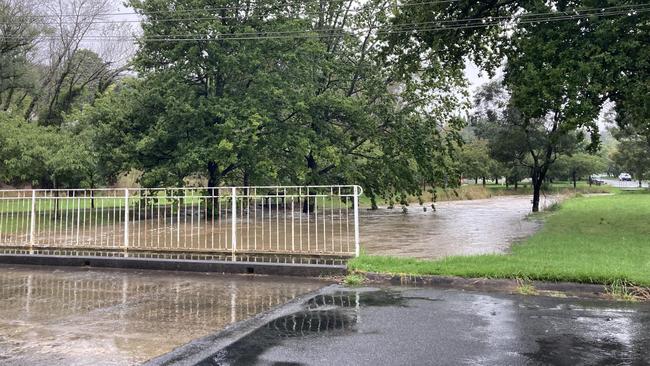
x=116, y=317
x=455, y=228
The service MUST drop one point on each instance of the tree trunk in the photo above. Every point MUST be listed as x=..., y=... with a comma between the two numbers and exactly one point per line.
x=247, y=178
x=307, y=205
x=573, y=175
x=483, y=181
x=7, y=103
x=213, y=176
x=475, y=180
x=496, y=180
x=30, y=108
x=373, y=203
x=537, y=187
x=516, y=184
x=538, y=175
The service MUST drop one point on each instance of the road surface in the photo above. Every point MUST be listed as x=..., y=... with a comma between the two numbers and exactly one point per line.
x=425, y=326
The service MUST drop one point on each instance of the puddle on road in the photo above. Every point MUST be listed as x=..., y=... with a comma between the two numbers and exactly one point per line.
x=456, y=228
x=496, y=328
x=573, y=350
x=115, y=317
x=350, y=299
x=328, y=315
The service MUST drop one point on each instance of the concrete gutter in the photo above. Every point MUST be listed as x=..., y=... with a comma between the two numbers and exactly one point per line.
x=262, y=268
x=569, y=289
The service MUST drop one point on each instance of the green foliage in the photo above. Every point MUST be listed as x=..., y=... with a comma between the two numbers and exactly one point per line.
x=475, y=159
x=44, y=156
x=577, y=166
x=633, y=154
x=313, y=110
x=559, y=73
x=17, y=41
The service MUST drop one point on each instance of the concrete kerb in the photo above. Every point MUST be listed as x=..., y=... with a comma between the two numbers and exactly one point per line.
x=201, y=348
x=258, y=268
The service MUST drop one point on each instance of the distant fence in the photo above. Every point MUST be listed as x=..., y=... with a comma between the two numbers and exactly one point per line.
x=230, y=223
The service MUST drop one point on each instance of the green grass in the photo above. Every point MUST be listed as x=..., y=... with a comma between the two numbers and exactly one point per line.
x=354, y=279
x=601, y=240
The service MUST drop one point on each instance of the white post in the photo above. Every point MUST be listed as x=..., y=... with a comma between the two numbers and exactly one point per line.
x=32, y=224
x=234, y=223
x=126, y=222
x=357, y=249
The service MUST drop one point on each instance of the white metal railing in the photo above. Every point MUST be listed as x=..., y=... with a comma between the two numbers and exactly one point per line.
x=230, y=221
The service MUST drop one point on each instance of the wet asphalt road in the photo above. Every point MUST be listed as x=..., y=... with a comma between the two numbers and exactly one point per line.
x=397, y=326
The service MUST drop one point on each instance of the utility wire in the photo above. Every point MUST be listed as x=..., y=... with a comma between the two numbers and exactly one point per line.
x=595, y=11
x=209, y=9
x=460, y=25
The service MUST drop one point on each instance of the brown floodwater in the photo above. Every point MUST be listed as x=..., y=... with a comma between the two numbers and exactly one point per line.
x=455, y=228
x=119, y=317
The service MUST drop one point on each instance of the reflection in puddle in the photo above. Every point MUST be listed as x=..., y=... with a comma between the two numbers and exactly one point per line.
x=348, y=299
x=324, y=315
x=370, y=327
x=78, y=317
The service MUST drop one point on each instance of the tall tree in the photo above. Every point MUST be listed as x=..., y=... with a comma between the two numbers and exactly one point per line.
x=633, y=153
x=565, y=59
x=18, y=34
x=577, y=166
x=63, y=61
x=267, y=92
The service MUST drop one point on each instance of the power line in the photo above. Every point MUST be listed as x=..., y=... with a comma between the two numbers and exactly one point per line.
x=209, y=9
x=441, y=21
x=357, y=32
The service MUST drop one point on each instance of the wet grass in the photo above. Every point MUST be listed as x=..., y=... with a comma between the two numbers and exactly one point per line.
x=354, y=279
x=599, y=240
x=622, y=291
x=526, y=287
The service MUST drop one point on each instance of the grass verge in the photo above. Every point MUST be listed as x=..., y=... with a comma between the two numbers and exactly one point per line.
x=603, y=240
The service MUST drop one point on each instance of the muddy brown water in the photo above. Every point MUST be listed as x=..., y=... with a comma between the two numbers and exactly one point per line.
x=455, y=228
x=117, y=317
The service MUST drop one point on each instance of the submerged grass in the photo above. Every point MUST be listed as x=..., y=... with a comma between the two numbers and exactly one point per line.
x=601, y=240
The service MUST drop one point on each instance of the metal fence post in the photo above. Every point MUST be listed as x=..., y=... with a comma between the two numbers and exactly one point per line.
x=32, y=224
x=357, y=249
x=126, y=222
x=234, y=223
